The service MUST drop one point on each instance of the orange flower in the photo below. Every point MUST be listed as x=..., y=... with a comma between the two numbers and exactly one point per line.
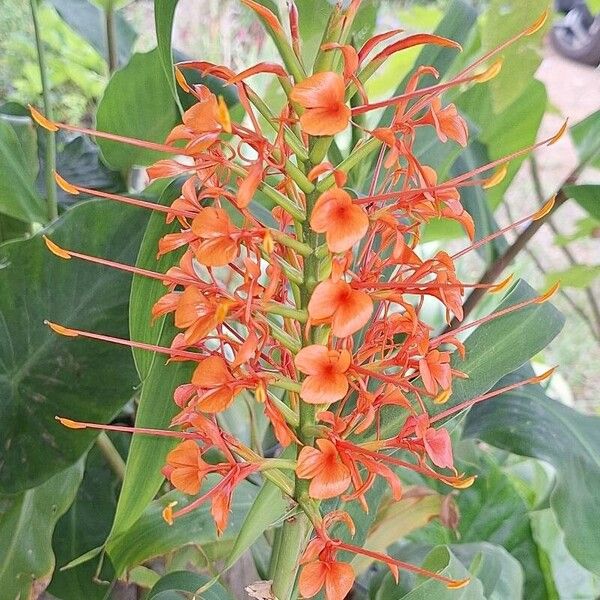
x=215, y=230
x=439, y=447
x=447, y=122
x=185, y=467
x=337, y=302
x=322, y=97
x=343, y=222
x=212, y=375
x=337, y=577
x=435, y=371
x=197, y=314
x=329, y=476
x=326, y=381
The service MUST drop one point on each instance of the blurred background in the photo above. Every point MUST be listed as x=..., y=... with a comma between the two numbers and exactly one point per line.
x=567, y=85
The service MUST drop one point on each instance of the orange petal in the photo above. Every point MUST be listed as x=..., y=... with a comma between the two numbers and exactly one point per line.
x=311, y=359
x=211, y=372
x=317, y=389
x=326, y=120
x=312, y=579
x=339, y=581
x=352, y=314
x=321, y=90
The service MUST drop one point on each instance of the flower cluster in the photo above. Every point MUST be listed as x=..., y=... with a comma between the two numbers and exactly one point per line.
x=295, y=290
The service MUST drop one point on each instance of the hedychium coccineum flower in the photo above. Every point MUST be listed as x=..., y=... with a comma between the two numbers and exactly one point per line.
x=314, y=310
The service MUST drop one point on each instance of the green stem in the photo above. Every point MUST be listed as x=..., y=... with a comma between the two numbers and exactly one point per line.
x=50, y=167
x=111, y=455
x=111, y=40
x=295, y=531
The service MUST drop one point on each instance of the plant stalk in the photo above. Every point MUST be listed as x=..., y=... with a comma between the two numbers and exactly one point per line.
x=111, y=40
x=50, y=166
x=111, y=455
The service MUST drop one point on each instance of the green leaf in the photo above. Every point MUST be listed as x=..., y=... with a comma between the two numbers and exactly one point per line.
x=494, y=574
x=89, y=21
x=18, y=170
x=86, y=526
x=529, y=423
x=184, y=584
x=586, y=137
x=512, y=129
x=578, y=276
x=496, y=348
x=151, y=536
x=156, y=407
x=503, y=19
x=43, y=374
x=587, y=196
x=492, y=510
x=78, y=161
x=27, y=521
x=266, y=510
x=396, y=519
x=136, y=104
x=164, y=14
x=474, y=200
x=457, y=23
x=570, y=578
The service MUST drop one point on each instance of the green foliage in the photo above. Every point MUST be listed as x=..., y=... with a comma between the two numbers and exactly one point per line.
x=96, y=379
x=159, y=380
x=88, y=20
x=27, y=521
x=85, y=526
x=76, y=71
x=529, y=423
x=184, y=584
x=502, y=20
x=138, y=104
x=151, y=536
x=19, y=198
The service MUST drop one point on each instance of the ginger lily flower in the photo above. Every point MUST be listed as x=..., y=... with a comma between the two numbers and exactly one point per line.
x=322, y=97
x=326, y=381
x=329, y=476
x=185, y=468
x=336, y=301
x=343, y=222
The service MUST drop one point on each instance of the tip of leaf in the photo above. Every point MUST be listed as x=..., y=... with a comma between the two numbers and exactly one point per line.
x=538, y=23
x=41, y=120
x=64, y=185
x=70, y=423
x=490, y=72
x=61, y=330
x=558, y=134
x=55, y=248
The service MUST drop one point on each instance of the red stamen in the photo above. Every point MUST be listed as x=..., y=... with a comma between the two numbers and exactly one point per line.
x=172, y=352
x=72, y=188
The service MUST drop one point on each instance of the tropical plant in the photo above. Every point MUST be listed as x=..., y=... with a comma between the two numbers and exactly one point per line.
x=313, y=409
